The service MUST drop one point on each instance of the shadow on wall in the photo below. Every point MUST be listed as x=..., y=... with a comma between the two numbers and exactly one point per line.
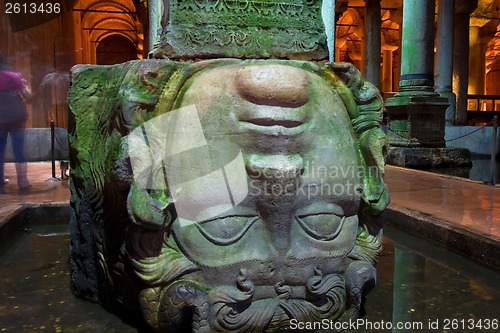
x=37, y=145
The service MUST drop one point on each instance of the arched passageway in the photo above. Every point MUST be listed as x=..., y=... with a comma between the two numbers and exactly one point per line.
x=115, y=49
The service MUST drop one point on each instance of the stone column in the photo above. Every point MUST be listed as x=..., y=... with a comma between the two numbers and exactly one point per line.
x=477, y=61
x=461, y=67
x=417, y=63
x=340, y=8
x=463, y=9
x=93, y=53
x=373, y=21
x=387, y=73
x=339, y=44
x=417, y=113
x=155, y=15
x=444, y=56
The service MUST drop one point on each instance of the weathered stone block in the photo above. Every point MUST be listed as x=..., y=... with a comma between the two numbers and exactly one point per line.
x=290, y=29
x=425, y=157
x=416, y=120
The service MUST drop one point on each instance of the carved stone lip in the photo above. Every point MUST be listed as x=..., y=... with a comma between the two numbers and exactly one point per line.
x=321, y=208
x=273, y=121
x=273, y=127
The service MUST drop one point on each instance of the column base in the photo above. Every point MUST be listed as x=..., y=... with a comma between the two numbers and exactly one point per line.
x=426, y=157
x=416, y=119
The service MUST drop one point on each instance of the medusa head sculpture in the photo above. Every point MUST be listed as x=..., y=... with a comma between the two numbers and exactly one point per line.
x=230, y=195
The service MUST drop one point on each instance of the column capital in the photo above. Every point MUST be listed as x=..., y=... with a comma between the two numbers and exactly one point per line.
x=387, y=47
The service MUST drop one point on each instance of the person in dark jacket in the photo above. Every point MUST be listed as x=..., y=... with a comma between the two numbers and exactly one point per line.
x=14, y=92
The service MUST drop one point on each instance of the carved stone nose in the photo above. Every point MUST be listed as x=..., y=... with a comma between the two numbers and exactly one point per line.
x=274, y=85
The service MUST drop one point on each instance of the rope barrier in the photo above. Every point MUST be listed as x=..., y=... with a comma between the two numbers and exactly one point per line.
x=449, y=140
x=58, y=142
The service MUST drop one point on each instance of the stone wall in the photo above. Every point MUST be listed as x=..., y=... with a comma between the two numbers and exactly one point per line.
x=37, y=145
x=478, y=142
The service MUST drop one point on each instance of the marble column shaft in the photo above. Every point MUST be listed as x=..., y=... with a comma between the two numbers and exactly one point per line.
x=373, y=21
x=461, y=66
x=444, y=55
x=387, y=72
x=417, y=62
x=477, y=61
x=417, y=112
x=155, y=13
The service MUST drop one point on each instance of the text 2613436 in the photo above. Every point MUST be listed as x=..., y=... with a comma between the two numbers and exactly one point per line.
x=32, y=8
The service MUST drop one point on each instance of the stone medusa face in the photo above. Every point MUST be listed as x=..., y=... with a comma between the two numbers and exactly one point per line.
x=282, y=118
x=233, y=202
x=301, y=169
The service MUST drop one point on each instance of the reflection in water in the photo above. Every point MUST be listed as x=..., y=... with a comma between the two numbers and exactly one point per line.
x=417, y=282
x=421, y=283
x=409, y=271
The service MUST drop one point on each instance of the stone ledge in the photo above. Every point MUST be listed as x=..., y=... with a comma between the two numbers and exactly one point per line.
x=425, y=157
x=15, y=217
x=477, y=247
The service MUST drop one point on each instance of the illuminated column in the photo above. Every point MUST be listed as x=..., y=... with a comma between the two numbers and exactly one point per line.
x=387, y=85
x=463, y=9
x=93, y=52
x=477, y=61
x=397, y=74
x=416, y=112
x=77, y=37
x=417, y=63
x=372, y=25
x=339, y=44
x=444, y=56
x=357, y=58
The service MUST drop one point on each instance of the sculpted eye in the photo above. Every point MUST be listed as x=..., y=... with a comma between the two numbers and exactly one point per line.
x=228, y=228
x=321, y=220
x=324, y=227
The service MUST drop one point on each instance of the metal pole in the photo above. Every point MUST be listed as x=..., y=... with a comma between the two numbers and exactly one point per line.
x=52, y=148
x=494, y=151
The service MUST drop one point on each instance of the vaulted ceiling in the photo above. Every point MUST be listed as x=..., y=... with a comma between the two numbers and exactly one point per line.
x=102, y=19
x=485, y=15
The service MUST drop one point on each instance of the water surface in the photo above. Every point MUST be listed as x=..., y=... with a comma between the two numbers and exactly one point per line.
x=417, y=282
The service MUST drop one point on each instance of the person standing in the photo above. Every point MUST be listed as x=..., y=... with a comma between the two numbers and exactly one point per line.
x=14, y=93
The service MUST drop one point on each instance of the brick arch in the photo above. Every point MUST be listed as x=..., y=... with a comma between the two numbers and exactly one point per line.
x=349, y=33
x=102, y=19
x=114, y=49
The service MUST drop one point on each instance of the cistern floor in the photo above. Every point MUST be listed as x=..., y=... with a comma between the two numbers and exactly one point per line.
x=463, y=203
x=42, y=190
